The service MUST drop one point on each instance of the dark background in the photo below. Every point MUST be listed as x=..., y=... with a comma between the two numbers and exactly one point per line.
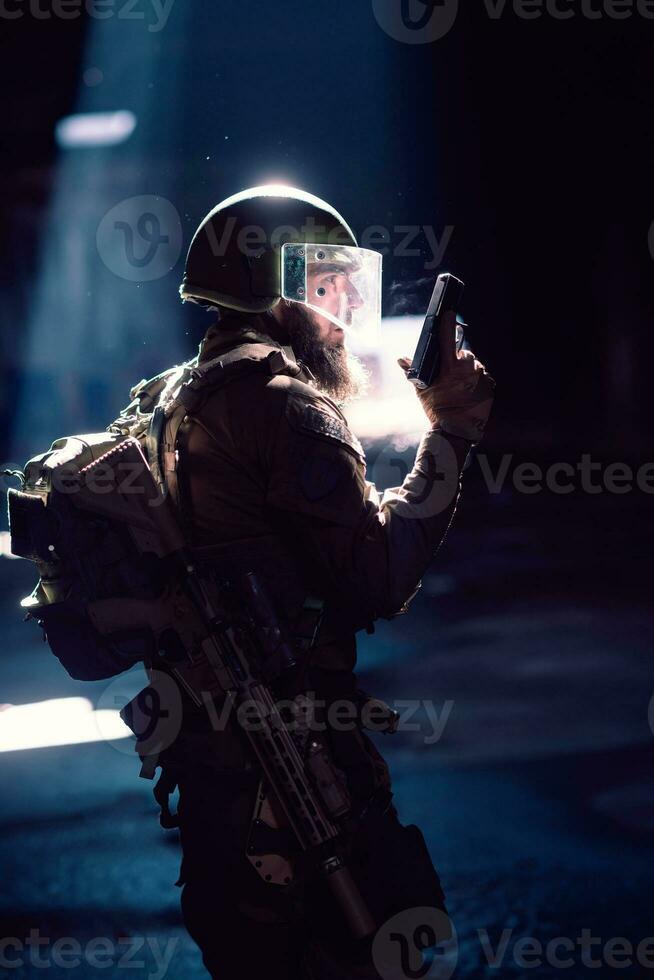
x=533, y=139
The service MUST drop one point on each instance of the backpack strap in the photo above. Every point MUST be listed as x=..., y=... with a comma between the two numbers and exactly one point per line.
x=184, y=395
x=236, y=363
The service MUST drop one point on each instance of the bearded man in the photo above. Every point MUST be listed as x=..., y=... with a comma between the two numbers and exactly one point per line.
x=267, y=477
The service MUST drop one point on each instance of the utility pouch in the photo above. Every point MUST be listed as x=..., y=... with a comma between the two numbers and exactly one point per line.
x=391, y=862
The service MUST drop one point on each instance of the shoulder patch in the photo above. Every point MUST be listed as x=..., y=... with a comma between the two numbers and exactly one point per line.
x=322, y=423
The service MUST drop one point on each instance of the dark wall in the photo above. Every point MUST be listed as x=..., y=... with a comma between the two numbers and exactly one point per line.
x=532, y=139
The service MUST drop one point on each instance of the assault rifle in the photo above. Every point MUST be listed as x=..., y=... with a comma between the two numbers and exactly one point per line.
x=201, y=635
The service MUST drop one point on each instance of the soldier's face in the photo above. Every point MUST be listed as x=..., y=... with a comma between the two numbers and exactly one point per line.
x=330, y=287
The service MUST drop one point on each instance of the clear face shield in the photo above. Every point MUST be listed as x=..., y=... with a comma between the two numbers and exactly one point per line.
x=339, y=282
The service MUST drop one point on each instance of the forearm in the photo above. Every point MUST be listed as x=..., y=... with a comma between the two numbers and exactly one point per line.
x=373, y=567
x=413, y=520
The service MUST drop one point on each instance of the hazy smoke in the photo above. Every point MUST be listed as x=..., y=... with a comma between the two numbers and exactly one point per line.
x=410, y=298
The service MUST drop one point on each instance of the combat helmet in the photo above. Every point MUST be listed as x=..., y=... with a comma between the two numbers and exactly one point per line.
x=268, y=243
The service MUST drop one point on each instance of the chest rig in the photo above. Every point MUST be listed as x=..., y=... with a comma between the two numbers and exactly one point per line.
x=162, y=405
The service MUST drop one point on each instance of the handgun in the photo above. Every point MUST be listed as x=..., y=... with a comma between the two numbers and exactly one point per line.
x=446, y=297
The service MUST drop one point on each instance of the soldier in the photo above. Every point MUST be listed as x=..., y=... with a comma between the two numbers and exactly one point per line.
x=267, y=476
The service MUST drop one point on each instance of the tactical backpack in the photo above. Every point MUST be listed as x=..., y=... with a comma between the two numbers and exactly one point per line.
x=79, y=518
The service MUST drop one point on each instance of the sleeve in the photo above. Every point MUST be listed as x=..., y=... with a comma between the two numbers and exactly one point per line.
x=371, y=552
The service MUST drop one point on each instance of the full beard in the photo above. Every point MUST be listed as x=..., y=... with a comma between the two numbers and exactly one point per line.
x=339, y=374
